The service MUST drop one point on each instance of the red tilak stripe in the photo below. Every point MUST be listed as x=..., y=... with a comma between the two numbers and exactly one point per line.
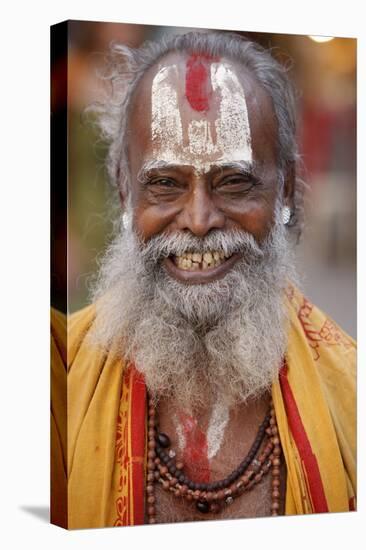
x=195, y=457
x=138, y=424
x=303, y=445
x=198, y=83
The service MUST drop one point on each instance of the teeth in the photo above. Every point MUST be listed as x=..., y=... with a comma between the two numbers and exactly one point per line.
x=197, y=257
x=195, y=261
x=207, y=257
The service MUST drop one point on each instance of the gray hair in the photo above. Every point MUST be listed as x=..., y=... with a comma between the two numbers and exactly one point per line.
x=127, y=66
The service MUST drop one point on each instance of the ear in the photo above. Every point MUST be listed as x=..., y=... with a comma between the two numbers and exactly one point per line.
x=289, y=184
x=121, y=194
x=122, y=197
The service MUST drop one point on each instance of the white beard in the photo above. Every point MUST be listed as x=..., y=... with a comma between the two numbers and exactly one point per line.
x=228, y=337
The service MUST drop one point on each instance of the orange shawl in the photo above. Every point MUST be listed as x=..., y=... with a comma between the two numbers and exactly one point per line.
x=103, y=456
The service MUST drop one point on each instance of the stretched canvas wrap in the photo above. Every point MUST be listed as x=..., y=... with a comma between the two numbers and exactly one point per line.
x=203, y=281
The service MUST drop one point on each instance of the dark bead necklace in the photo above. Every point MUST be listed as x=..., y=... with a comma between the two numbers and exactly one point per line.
x=163, y=468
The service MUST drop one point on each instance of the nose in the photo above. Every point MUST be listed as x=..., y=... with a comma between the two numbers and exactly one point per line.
x=200, y=214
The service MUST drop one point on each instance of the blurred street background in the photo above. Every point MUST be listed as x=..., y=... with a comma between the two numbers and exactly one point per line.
x=324, y=71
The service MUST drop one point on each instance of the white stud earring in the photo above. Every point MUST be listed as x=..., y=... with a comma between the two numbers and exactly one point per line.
x=126, y=219
x=286, y=214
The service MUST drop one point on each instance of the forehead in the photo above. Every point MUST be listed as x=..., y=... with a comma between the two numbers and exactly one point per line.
x=198, y=110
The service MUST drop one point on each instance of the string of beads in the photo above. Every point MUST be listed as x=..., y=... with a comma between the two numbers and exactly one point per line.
x=163, y=468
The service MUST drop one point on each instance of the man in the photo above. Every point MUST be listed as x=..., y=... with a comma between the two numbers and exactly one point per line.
x=201, y=383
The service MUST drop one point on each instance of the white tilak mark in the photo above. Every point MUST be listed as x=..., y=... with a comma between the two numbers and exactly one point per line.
x=166, y=125
x=200, y=140
x=216, y=429
x=233, y=142
x=232, y=127
x=180, y=434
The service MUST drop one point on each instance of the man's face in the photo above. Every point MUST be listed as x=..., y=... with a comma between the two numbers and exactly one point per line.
x=207, y=280
x=203, y=157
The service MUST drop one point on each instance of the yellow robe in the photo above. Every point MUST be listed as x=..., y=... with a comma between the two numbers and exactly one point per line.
x=98, y=428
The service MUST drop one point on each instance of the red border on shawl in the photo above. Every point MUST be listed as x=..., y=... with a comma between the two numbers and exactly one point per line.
x=138, y=428
x=303, y=445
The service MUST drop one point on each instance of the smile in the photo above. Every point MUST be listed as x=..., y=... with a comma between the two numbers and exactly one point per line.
x=197, y=267
x=195, y=261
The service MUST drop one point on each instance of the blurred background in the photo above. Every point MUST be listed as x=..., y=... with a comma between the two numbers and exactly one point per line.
x=324, y=71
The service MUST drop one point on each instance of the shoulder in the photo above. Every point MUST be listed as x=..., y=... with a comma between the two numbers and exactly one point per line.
x=315, y=338
x=323, y=363
x=318, y=345
x=58, y=325
x=322, y=335
x=78, y=326
x=86, y=356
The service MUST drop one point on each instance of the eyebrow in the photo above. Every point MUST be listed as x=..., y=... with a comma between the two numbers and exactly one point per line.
x=155, y=165
x=239, y=165
x=152, y=165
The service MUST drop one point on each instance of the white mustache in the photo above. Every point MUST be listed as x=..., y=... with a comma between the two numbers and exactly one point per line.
x=228, y=242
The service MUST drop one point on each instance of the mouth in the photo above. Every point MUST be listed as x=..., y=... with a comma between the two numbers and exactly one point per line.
x=196, y=267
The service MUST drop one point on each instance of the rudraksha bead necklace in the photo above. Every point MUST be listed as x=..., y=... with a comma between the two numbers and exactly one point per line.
x=162, y=467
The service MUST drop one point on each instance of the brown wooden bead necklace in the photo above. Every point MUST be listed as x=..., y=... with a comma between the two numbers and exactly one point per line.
x=263, y=456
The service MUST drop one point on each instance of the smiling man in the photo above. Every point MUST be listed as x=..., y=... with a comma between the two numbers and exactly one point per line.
x=201, y=383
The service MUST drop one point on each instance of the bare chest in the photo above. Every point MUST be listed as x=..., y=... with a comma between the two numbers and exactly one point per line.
x=212, y=455
x=255, y=503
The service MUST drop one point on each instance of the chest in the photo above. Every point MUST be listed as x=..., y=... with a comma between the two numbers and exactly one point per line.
x=255, y=503
x=215, y=454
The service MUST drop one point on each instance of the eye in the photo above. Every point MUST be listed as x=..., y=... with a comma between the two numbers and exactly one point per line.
x=163, y=182
x=237, y=183
x=164, y=188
